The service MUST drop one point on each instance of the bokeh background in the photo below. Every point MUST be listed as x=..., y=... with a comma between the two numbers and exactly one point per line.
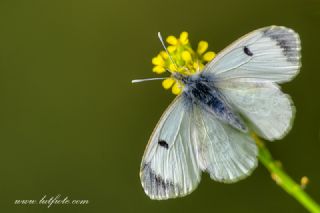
x=71, y=123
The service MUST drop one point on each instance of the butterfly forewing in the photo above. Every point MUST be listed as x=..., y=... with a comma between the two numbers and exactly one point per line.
x=270, y=53
x=169, y=167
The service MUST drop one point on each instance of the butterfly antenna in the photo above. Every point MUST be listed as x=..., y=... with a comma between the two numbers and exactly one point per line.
x=165, y=48
x=146, y=79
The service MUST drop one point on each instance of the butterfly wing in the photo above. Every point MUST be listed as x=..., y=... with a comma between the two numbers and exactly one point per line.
x=226, y=153
x=270, y=111
x=270, y=53
x=169, y=167
x=247, y=72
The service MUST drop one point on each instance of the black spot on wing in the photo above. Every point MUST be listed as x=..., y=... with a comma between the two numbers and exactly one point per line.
x=247, y=51
x=287, y=40
x=163, y=143
x=155, y=186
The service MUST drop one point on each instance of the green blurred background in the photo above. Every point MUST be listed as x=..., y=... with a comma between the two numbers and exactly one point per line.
x=71, y=123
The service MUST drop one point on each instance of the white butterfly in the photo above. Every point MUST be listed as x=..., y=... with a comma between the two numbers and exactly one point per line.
x=206, y=128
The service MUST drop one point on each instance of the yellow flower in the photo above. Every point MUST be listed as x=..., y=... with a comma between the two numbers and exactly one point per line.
x=202, y=47
x=164, y=55
x=209, y=56
x=184, y=38
x=177, y=88
x=158, y=60
x=171, y=49
x=186, y=56
x=186, y=60
x=172, y=67
x=172, y=40
x=168, y=82
x=158, y=69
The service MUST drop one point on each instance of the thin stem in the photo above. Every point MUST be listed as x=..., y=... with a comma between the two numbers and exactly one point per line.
x=285, y=181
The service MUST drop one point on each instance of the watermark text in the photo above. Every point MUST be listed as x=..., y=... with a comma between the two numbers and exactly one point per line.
x=50, y=201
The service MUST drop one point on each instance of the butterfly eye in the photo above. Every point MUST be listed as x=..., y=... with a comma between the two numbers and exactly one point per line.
x=247, y=51
x=163, y=144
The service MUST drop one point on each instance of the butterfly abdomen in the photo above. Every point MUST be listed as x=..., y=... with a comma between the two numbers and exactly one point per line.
x=204, y=93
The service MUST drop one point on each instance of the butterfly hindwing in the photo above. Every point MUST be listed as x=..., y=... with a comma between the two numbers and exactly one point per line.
x=263, y=103
x=169, y=167
x=226, y=153
x=270, y=53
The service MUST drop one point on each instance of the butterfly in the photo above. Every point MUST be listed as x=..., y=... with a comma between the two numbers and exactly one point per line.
x=207, y=127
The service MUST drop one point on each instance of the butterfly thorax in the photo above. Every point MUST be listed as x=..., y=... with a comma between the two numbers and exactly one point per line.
x=200, y=90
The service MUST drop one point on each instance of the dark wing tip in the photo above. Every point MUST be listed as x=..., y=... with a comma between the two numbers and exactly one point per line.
x=287, y=39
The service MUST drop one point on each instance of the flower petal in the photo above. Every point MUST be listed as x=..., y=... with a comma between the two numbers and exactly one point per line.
x=172, y=67
x=167, y=83
x=208, y=56
x=184, y=38
x=164, y=55
x=176, y=89
x=172, y=40
x=158, y=60
x=186, y=56
x=202, y=47
x=171, y=49
x=158, y=69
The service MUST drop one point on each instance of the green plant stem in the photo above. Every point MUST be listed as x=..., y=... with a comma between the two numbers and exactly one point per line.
x=284, y=181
